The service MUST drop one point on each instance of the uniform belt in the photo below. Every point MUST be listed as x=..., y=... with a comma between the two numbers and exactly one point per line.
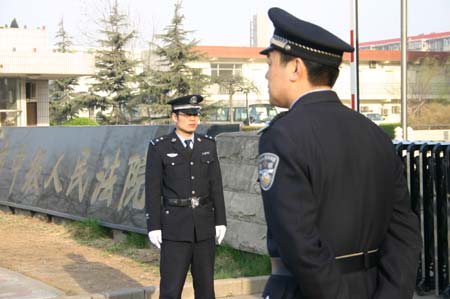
x=347, y=263
x=192, y=202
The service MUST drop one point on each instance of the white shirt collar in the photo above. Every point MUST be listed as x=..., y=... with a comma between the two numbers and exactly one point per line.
x=182, y=139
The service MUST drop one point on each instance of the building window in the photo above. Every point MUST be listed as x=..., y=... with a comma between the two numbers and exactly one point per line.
x=8, y=93
x=9, y=89
x=225, y=70
x=384, y=112
x=364, y=109
x=395, y=109
x=30, y=90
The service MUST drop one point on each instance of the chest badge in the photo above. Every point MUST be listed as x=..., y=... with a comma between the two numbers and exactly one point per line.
x=172, y=155
x=267, y=168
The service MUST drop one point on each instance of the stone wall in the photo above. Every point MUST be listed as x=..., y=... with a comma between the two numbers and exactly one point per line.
x=238, y=154
x=98, y=172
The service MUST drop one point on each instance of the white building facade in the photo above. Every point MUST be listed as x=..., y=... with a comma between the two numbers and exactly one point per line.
x=26, y=66
x=379, y=78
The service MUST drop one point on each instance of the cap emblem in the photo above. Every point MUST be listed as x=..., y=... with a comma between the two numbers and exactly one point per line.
x=278, y=42
x=193, y=100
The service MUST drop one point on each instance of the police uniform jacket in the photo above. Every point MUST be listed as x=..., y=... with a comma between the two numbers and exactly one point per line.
x=173, y=173
x=333, y=185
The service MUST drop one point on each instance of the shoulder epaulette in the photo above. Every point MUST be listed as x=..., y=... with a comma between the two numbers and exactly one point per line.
x=209, y=137
x=158, y=140
x=277, y=117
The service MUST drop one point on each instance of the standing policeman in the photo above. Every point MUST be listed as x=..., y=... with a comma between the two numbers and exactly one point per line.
x=337, y=208
x=184, y=202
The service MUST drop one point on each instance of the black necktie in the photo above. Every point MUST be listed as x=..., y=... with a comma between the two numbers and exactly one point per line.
x=188, y=142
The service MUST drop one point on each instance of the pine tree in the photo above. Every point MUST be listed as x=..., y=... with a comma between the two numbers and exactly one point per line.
x=64, y=40
x=14, y=24
x=63, y=105
x=115, y=69
x=173, y=76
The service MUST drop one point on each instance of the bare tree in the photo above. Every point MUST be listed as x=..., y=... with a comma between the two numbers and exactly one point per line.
x=428, y=82
x=235, y=84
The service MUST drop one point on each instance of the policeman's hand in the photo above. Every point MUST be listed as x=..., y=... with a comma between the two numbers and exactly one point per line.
x=155, y=237
x=220, y=233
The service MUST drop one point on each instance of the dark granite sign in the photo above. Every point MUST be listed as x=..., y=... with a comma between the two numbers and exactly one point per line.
x=81, y=172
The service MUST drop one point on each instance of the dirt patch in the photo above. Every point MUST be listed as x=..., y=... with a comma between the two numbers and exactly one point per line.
x=46, y=252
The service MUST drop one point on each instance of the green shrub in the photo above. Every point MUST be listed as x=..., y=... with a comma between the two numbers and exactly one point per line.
x=136, y=240
x=129, y=246
x=231, y=263
x=389, y=129
x=88, y=229
x=80, y=121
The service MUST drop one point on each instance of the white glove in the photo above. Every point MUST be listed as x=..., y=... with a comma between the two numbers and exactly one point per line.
x=220, y=233
x=155, y=237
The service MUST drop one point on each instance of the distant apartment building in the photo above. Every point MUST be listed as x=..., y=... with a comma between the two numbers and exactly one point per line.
x=433, y=42
x=379, y=75
x=260, y=30
x=27, y=63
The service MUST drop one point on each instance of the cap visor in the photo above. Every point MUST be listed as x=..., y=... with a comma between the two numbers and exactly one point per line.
x=266, y=50
x=192, y=111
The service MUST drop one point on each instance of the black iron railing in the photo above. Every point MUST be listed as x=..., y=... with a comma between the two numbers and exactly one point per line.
x=427, y=167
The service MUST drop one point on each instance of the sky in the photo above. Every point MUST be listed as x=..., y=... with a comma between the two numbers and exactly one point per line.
x=227, y=22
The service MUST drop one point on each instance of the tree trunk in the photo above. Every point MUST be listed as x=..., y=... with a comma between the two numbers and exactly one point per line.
x=231, y=109
x=91, y=114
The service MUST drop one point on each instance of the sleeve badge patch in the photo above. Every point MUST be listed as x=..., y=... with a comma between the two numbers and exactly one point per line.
x=267, y=168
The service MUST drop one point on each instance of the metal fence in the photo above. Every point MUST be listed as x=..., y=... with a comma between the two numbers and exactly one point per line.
x=427, y=169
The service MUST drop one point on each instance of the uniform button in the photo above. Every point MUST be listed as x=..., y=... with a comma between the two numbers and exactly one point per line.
x=193, y=192
x=173, y=163
x=192, y=177
x=167, y=212
x=192, y=163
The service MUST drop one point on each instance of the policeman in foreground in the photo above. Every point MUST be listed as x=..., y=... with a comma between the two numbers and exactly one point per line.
x=336, y=203
x=184, y=202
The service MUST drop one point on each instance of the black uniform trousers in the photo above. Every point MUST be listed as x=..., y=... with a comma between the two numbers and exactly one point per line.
x=287, y=287
x=176, y=257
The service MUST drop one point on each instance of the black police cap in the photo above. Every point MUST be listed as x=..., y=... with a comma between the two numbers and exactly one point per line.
x=299, y=38
x=187, y=104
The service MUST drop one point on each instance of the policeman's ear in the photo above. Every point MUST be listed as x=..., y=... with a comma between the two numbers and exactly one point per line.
x=174, y=117
x=296, y=70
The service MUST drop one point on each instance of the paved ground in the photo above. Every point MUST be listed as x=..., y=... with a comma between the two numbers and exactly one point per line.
x=258, y=297
x=17, y=286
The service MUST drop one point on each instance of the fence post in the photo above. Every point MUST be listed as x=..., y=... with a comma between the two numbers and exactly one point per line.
x=427, y=224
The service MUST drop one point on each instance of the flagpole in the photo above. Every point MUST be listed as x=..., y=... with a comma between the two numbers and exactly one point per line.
x=404, y=49
x=354, y=57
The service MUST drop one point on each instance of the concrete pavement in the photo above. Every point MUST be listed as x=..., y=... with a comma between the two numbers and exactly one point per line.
x=14, y=285
x=17, y=286
x=259, y=297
